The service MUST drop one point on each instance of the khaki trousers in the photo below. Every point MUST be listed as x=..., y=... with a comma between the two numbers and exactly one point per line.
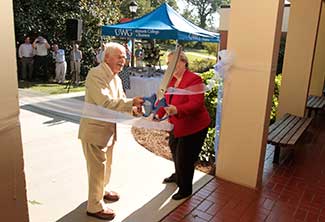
x=60, y=71
x=75, y=70
x=99, y=161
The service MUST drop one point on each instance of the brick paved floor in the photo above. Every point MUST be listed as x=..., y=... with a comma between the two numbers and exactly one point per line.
x=293, y=191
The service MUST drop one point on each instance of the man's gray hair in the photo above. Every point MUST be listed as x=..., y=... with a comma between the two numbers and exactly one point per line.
x=110, y=48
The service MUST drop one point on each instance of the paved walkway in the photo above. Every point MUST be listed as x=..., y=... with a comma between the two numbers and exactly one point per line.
x=293, y=191
x=56, y=171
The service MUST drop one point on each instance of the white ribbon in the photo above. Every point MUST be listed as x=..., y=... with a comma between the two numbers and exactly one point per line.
x=75, y=107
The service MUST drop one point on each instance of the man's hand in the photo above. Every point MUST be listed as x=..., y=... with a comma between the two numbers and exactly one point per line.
x=138, y=101
x=137, y=106
x=171, y=110
x=137, y=111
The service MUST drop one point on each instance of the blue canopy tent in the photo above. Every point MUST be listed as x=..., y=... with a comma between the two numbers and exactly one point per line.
x=162, y=23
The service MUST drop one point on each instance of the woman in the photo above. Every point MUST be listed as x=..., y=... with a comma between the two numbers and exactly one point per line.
x=191, y=120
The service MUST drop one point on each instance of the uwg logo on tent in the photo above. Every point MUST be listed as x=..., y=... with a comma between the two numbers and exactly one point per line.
x=123, y=32
x=192, y=36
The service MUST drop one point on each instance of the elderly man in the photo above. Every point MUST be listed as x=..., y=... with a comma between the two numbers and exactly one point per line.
x=60, y=64
x=75, y=59
x=25, y=53
x=104, y=88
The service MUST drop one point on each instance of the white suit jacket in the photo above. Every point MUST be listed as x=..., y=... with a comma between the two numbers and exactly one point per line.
x=105, y=89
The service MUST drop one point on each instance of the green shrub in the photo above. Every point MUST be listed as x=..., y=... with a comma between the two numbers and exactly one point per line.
x=211, y=99
x=211, y=47
x=275, y=99
x=152, y=53
x=211, y=96
x=281, y=54
x=201, y=65
x=207, y=153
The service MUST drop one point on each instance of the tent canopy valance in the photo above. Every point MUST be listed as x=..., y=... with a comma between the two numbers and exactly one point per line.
x=162, y=23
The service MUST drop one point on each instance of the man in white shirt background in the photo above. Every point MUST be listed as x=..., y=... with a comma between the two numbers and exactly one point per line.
x=25, y=54
x=99, y=53
x=41, y=47
x=75, y=59
x=60, y=64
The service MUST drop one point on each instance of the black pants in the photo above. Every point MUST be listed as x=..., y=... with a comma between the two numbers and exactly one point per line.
x=41, y=67
x=185, y=151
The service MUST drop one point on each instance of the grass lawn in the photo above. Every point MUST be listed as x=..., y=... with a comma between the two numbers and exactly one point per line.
x=51, y=88
x=192, y=54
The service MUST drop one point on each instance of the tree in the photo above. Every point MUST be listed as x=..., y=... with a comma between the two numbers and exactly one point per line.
x=144, y=6
x=94, y=14
x=35, y=18
x=204, y=9
x=156, y=3
x=188, y=14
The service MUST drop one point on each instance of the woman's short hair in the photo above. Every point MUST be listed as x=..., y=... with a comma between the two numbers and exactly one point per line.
x=182, y=57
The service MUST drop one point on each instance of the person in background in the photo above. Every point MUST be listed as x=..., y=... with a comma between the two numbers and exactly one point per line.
x=41, y=47
x=191, y=120
x=75, y=60
x=99, y=53
x=104, y=88
x=128, y=54
x=25, y=53
x=125, y=73
x=60, y=64
x=139, y=55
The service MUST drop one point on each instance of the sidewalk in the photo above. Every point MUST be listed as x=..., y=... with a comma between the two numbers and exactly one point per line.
x=56, y=171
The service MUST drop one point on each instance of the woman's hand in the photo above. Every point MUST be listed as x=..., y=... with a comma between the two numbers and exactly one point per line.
x=171, y=110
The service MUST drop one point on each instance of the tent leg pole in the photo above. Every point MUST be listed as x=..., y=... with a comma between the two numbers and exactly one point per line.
x=132, y=52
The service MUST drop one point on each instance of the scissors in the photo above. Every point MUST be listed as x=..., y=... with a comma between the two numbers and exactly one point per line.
x=157, y=100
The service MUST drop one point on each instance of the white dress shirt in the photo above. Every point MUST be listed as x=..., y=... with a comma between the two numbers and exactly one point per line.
x=40, y=49
x=25, y=50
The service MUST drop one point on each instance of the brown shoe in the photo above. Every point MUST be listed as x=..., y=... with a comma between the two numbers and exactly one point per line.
x=106, y=214
x=111, y=196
